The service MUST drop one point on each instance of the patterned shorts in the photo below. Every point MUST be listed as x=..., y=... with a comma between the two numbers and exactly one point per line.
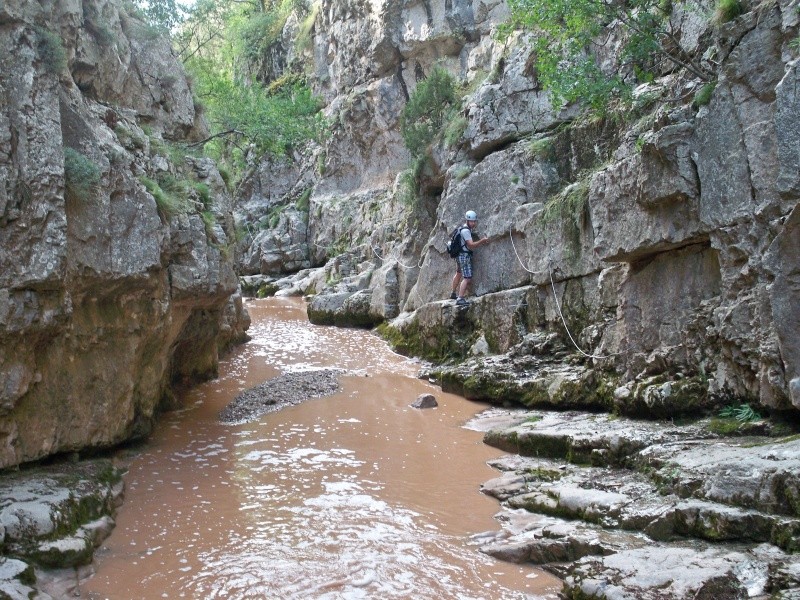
x=464, y=262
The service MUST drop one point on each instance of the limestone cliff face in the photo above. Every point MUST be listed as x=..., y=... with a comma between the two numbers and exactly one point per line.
x=673, y=256
x=106, y=299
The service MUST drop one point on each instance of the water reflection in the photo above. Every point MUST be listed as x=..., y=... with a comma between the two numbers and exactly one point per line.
x=351, y=496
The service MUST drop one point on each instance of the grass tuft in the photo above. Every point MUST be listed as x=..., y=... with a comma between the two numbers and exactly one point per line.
x=81, y=175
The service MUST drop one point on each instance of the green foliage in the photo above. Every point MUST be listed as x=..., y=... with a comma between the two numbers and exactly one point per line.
x=203, y=192
x=569, y=204
x=338, y=247
x=275, y=216
x=274, y=122
x=569, y=31
x=428, y=110
x=222, y=44
x=258, y=33
x=209, y=220
x=703, y=95
x=173, y=185
x=407, y=188
x=50, y=50
x=743, y=413
x=226, y=175
x=303, y=40
x=727, y=10
x=176, y=153
x=81, y=175
x=724, y=426
x=147, y=31
x=168, y=202
x=454, y=129
x=129, y=138
x=102, y=34
x=302, y=203
x=542, y=149
x=161, y=15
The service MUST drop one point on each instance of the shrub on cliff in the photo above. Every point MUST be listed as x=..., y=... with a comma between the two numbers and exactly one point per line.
x=50, y=50
x=428, y=110
x=81, y=175
x=569, y=32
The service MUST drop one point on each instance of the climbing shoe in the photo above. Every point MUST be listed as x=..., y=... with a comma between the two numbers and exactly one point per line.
x=453, y=295
x=461, y=302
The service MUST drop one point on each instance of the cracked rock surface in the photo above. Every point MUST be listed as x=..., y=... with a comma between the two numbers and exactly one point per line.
x=626, y=509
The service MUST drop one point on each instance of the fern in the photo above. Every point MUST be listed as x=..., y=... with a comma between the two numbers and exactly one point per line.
x=743, y=413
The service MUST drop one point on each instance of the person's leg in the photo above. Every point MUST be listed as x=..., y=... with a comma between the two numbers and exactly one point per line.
x=465, y=262
x=456, y=283
x=462, y=290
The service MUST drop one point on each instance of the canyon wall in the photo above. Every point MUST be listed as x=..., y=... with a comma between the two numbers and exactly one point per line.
x=109, y=295
x=659, y=246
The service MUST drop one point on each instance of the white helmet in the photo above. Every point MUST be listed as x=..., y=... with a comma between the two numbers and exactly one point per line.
x=471, y=216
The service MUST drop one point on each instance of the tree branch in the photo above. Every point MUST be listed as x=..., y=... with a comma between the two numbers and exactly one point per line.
x=666, y=53
x=216, y=135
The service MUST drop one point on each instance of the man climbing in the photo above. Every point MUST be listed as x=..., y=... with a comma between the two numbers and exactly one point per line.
x=463, y=276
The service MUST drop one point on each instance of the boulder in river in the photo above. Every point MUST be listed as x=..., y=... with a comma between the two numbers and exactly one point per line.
x=425, y=401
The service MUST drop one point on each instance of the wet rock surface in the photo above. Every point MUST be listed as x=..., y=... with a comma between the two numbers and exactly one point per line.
x=425, y=401
x=51, y=521
x=623, y=509
x=275, y=394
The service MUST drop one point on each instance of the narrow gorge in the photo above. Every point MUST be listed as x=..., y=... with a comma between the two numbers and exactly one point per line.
x=635, y=313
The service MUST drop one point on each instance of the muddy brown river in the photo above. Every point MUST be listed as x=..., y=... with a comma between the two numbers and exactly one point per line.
x=355, y=495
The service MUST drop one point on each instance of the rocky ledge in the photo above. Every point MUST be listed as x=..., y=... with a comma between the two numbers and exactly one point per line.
x=51, y=520
x=627, y=509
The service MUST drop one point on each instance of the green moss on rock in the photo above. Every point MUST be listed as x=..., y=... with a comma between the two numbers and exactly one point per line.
x=545, y=446
x=438, y=344
x=504, y=440
x=541, y=474
x=63, y=553
x=786, y=536
x=489, y=386
x=661, y=398
x=724, y=426
x=267, y=290
x=592, y=392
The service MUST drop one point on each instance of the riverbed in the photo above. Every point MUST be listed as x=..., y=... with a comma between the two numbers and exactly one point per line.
x=351, y=495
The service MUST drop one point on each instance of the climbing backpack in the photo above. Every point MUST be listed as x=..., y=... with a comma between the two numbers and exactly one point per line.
x=455, y=245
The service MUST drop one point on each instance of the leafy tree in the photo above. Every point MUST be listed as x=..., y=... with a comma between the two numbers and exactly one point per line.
x=569, y=32
x=227, y=30
x=217, y=43
x=428, y=110
x=203, y=33
x=274, y=121
x=162, y=14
